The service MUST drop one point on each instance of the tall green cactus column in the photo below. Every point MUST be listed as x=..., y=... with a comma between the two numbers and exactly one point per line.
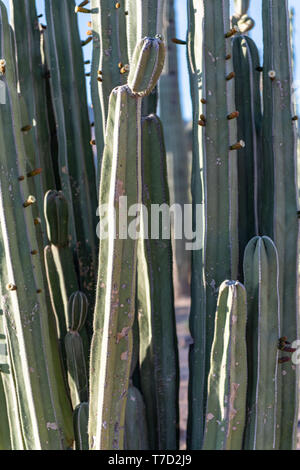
x=214, y=187
x=111, y=352
x=32, y=82
x=279, y=192
x=159, y=368
x=248, y=104
x=176, y=145
x=263, y=332
x=227, y=381
x=43, y=407
x=76, y=165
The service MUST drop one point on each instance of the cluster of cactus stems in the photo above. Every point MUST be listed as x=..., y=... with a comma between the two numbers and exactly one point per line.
x=88, y=344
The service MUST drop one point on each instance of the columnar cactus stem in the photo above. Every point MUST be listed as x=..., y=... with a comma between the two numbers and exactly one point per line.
x=136, y=433
x=75, y=355
x=227, y=381
x=144, y=18
x=114, y=311
x=116, y=289
x=249, y=121
x=42, y=405
x=214, y=188
x=80, y=422
x=159, y=372
x=263, y=332
x=76, y=166
x=32, y=83
x=176, y=145
x=279, y=198
x=57, y=216
x=109, y=63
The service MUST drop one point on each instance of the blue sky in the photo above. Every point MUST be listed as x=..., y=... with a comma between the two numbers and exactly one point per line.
x=255, y=13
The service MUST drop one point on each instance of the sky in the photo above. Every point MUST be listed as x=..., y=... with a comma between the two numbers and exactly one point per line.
x=181, y=10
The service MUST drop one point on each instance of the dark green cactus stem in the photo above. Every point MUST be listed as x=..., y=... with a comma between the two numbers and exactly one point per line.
x=77, y=368
x=279, y=193
x=109, y=63
x=74, y=347
x=227, y=381
x=159, y=370
x=76, y=165
x=43, y=406
x=263, y=332
x=176, y=145
x=249, y=120
x=57, y=216
x=80, y=423
x=214, y=188
x=32, y=83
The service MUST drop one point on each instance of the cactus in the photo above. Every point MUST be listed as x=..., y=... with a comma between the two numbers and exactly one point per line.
x=76, y=166
x=114, y=310
x=227, y=381
x=136, y=433
x=112, y=340
x=80, y=420
x=33, y=84
x=214, y=187
x=155, y=301
x=176, y=144
x=44, y=412
x=279, y=199
x=74, y=346
x=243, y=389
x=263, y=332
x=109, y=63
x=57, y=217
x=248, y=105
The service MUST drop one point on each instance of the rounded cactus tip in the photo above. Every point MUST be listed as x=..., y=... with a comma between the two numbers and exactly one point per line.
x=77, y=311
x=56, y=214
x=147, y=64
